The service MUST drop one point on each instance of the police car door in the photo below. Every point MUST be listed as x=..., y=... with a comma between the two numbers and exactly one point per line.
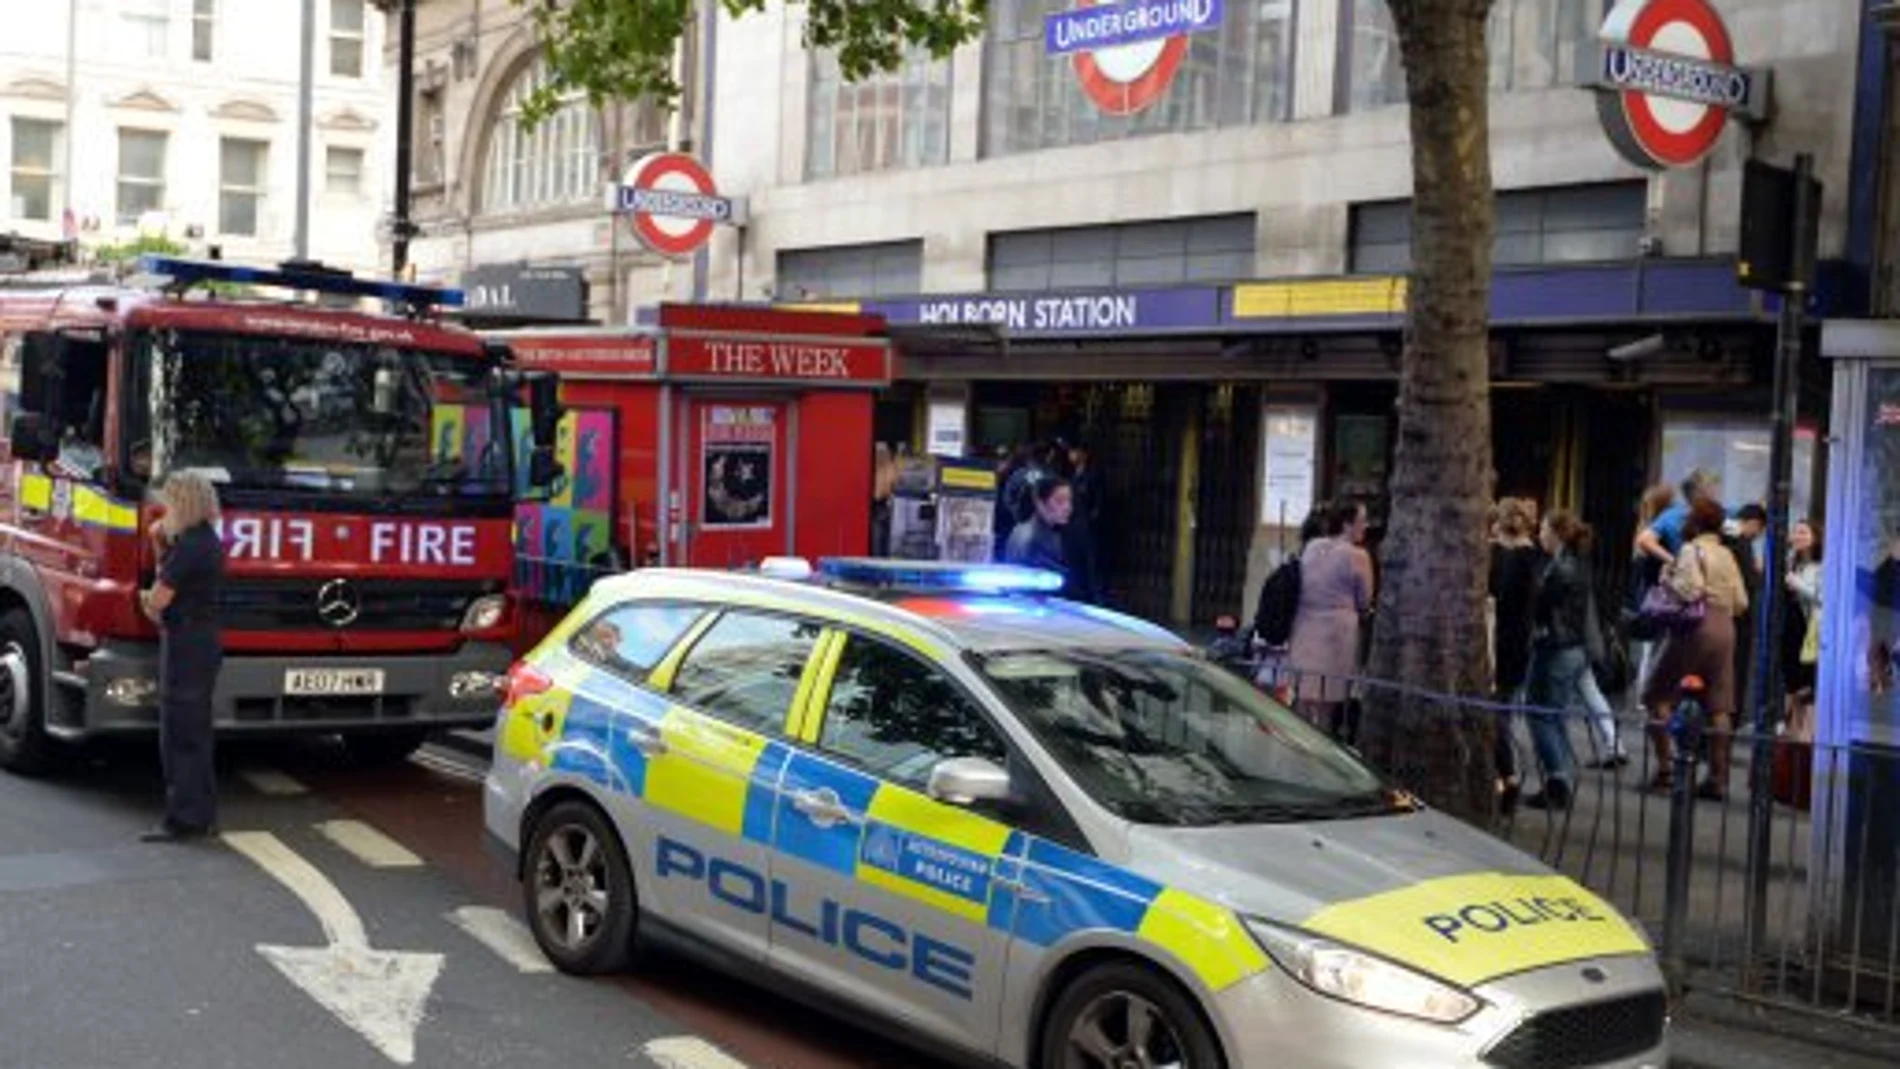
x=879, y=892
x=709, y=771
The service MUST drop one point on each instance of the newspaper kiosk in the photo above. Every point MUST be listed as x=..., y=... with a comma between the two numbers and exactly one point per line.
x=715, y=438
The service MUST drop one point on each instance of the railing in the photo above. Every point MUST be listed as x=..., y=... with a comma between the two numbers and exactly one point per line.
x=1809, y=919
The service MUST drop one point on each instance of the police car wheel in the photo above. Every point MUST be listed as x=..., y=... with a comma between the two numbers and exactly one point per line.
x=1126, y=1016
x=24, y=745
x=579, y=891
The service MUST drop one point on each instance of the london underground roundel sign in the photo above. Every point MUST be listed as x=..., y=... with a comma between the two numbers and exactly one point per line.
x=1669, y=82
x=671, y=203
x=1127, y=53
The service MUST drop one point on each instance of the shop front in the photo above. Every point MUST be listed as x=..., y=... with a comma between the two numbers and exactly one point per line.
x=1218, y=416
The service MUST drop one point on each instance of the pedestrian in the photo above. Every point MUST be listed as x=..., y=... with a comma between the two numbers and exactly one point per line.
x=1516, y=562
x=184, y=602
x=1801, y=629
x=1084, y=529
x=1703, y=573
x=883, y=487
x=1645, y=572
x=1663, y=537
x=1009, y=474
x=1560, y=653
x=1335, y=594
x=1742, y=543
x=1037, y=541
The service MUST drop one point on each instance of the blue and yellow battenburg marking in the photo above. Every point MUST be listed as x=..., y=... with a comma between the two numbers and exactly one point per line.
x=951, y=860
x=90, y=507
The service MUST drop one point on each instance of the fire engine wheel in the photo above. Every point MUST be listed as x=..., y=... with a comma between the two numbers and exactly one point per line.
x=24, y=746
x=384, y=747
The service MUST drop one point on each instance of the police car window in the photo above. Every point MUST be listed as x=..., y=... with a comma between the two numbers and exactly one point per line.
x=896, y=716
x=745, y=669
x=631, y=639
x=1160, y=737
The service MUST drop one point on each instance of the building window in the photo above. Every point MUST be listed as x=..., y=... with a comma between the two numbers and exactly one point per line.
x=895, y=119
x=346, y=38
x=1215, y=248
x=556, y=162
x=1567, y=224
x=1236, y=76
x=343, y=171
x=1533, y=44
x=204, y=20
x=241, y=181
x=888, y=269
x=429, y=130
x=147, y=27
x=35, y=176
x=141, y=173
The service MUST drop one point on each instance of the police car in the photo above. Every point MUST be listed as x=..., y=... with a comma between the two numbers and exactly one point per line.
x=1028, y=831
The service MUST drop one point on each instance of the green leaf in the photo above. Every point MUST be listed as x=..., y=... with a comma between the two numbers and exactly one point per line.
x=607, y=50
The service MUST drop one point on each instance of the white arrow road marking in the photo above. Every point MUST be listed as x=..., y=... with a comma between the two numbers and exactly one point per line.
x=504, y=935
x=370, y=846
x=271, y=781
x=689, y=1052
x=378, y=993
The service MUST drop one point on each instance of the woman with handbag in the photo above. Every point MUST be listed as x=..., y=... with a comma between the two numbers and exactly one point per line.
x=1695, y=604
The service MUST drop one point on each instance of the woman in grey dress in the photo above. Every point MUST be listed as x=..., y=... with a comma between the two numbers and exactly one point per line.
x=1335, y=593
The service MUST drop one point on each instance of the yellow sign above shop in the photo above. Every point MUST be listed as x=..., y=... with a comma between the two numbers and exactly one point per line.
x=1382, y=295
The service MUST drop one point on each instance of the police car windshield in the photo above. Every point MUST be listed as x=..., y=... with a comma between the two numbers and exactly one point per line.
x=316, y=416
x=1165, y=738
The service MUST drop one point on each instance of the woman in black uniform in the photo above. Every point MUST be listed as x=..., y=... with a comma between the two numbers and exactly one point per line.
x=184, y=602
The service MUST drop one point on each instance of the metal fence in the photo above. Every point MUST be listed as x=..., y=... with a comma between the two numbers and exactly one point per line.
x=1798, y=908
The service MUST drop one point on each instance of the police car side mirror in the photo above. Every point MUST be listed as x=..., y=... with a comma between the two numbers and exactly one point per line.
x=965, y=781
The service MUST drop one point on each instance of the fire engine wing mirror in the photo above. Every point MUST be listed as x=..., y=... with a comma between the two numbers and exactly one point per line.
x=31, y=438
x=544, y=408
x=543, y=470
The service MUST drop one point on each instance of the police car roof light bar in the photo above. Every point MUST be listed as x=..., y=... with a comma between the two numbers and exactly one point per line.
x=183, y=273
x=944, y=577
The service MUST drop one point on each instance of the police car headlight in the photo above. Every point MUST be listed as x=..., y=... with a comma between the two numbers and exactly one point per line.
x=484, y=612
x=1354, y=976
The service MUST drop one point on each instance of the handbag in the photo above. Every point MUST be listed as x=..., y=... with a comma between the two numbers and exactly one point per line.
x=1681, y=600
x=1811, y=641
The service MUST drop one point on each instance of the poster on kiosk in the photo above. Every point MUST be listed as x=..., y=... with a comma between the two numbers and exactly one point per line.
x=942, y=509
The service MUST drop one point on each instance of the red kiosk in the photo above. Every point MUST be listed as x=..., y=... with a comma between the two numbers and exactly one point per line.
x=717, y=438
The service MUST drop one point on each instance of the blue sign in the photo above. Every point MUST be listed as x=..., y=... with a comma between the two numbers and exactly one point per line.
x=1108, y=312
x=674, y=203
x=1088, y=29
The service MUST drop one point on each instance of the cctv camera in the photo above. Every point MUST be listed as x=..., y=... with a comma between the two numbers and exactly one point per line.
x=1638, y=349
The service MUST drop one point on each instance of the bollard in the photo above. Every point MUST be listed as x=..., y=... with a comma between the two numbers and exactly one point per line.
x=1686, y=723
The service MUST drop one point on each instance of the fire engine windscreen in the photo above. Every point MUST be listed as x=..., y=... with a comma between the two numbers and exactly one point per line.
x=325, y=418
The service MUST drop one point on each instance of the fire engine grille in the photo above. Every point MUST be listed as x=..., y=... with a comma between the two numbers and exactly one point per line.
x=1584, y=1035
x=386, y=604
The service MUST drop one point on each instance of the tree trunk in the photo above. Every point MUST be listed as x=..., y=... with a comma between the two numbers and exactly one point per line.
x=1429, y=633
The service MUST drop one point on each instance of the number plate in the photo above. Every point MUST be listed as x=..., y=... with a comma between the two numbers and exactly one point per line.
x=324, y=682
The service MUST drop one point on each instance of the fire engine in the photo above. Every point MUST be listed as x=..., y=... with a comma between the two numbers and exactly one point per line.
x=367, y=471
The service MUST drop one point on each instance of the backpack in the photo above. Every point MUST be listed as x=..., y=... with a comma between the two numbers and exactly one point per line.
x=1279, y=603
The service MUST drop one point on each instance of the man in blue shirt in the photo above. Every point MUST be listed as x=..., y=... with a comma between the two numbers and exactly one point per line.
x=1662, y=539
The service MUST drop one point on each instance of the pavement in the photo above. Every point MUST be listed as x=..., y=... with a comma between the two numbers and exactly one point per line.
x=332, y=881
